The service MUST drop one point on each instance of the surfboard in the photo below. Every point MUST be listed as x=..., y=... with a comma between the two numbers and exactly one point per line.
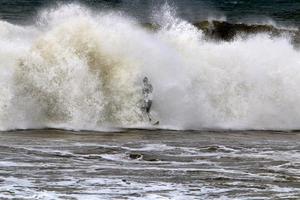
x=156, y=123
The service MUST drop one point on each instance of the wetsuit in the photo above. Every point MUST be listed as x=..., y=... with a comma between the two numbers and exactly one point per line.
x=147, y=92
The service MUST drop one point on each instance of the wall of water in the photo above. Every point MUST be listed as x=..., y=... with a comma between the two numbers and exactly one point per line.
x=80, y=69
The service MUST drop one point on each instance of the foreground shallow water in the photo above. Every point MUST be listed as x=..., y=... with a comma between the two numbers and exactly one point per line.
x=139, y=164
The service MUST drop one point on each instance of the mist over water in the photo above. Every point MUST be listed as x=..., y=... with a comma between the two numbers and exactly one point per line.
x=78, y=68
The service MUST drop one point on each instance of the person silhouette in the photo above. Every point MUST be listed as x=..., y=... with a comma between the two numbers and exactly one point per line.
x=147, y=93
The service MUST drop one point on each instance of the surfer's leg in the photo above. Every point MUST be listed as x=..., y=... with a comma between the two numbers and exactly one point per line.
x=148, y=108
x=149, y=116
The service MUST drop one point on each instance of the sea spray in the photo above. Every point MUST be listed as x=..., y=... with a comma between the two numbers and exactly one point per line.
x=78, y=69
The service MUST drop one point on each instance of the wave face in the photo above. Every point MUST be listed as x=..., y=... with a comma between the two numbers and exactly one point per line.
x=79, y=69
x=222, y=30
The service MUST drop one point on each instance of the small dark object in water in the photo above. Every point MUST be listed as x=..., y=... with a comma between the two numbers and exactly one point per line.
x=135, y=156
x=151, y=160
x=125, y=181
x=213, y=148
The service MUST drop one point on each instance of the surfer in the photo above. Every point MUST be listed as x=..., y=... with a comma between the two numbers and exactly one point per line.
x=147, y=92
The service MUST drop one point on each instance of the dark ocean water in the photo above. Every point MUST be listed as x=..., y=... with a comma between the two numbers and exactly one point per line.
x=284, y=12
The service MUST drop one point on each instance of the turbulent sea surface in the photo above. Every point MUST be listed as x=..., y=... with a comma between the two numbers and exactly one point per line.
x=139, y=164
x=218, y=69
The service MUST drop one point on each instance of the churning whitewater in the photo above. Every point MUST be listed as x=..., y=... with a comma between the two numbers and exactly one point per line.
x=74, y=68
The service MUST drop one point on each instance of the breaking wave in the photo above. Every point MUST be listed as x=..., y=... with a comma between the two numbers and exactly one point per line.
x=79, y=69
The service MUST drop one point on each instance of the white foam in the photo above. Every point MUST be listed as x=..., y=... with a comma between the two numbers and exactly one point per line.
x=77, y=70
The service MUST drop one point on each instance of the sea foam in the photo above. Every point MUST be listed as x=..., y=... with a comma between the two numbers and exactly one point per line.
x=80, y=69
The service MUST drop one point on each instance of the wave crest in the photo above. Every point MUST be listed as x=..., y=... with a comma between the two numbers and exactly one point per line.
x=84, y=71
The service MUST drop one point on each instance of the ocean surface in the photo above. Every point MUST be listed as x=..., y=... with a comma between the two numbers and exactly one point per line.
x=226, y=79
x=140, y=164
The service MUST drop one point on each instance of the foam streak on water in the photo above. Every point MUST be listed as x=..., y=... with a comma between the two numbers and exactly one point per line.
x=149, y=165
x=79, y=69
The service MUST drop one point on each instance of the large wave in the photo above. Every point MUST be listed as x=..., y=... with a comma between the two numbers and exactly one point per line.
x=79, y=69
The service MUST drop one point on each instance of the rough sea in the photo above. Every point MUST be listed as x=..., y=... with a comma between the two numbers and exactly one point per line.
x=226, y=93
